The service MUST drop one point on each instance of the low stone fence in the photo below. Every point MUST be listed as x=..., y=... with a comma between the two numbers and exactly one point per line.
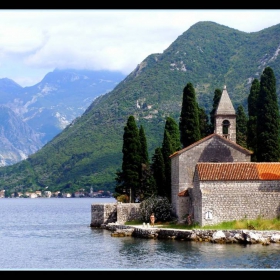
x=104, y=213
x=213, y=236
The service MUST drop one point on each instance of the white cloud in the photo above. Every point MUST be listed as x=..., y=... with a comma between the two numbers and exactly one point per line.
x=34, y=42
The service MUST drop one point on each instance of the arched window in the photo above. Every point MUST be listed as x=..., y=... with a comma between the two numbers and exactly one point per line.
x=226, y=125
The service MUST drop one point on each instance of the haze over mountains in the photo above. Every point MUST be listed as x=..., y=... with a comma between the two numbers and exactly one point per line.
x=88, y=152
x=32, y=116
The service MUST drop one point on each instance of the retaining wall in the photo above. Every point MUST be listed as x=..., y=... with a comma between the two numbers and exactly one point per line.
x=104, y=213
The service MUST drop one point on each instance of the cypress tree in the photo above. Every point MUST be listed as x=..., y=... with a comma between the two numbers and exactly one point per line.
x=268, y=128
x=204, y=126
x=143, y=146
x=146, y=178
x=166, y=152
x=170, y=144
x=241, y=127
x=189, y=118
x=158, y=170
x=216, y=99
x=173, y=130
x=252, y=118
x=128, y=178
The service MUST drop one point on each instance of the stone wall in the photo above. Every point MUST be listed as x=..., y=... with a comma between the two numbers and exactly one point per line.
x=127, y=212
x=105, y=213
x=218, y=201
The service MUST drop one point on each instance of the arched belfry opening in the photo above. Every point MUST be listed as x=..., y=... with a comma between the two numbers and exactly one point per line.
x=225, y=117
x=226, y=125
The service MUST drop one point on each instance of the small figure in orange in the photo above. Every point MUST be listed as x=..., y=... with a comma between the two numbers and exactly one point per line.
x=152, y=219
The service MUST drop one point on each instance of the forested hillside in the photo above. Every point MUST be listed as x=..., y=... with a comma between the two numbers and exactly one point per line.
x=88, y=152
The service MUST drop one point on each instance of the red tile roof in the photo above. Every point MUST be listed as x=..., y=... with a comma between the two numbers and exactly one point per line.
x=238, y=171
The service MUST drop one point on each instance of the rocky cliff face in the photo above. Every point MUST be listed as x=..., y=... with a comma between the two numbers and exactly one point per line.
x=17, y=139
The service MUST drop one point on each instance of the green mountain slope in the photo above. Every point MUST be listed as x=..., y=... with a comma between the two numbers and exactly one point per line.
x=89, y=151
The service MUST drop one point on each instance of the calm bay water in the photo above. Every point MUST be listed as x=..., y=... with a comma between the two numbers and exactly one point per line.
x=55, y=234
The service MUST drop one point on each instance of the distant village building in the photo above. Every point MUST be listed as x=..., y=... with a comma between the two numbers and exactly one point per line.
x=213, y=180
x=2, y=193
x=48, y=193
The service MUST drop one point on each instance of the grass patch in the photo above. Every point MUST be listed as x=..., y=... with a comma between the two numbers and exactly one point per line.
x=258, y=224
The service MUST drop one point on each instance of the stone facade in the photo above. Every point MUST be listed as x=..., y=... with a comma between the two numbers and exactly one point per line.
x=214, y=148
x=218, y=201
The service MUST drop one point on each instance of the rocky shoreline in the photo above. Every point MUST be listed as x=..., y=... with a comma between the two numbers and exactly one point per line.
x=214, y=236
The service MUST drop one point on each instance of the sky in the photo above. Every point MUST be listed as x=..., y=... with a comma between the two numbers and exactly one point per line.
x=35, y=42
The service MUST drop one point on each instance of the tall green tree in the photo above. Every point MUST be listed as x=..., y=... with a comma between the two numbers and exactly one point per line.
x=128, y=179
x=172, y=128
x=189, y=118
x=158, y=170
x=147, y=183
x=268, y=128
x=143, y=145
x=241, y=126
x=252, y=118
x=166, y=152
x=216, y=100
x=170, y=144
x=204, y=125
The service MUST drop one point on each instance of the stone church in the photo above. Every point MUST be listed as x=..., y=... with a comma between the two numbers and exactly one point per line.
x=213, y=180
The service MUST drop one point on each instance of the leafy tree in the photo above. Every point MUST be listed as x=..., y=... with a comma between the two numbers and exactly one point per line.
x=216, y=100
x=241, y=127
x=252, y=118
x=158, y=205
x=158, y=170
x=268, y=128
x=128, y=179
x=189, y=118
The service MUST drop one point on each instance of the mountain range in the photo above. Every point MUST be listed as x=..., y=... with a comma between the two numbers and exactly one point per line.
x=88, y=151
x=32, y=116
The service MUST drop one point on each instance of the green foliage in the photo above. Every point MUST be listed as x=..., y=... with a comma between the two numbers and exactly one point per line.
x=252, y=118
x=89, y=151
x=166, y=152
x=268, y=126
x=216, y=100
x=258, y=224
x=158, y=170
x=241, y=127
x=204, y=126
x=189, y=118
x=172, y=129
x=158, y=205
x=129, y=179
x=143, y=146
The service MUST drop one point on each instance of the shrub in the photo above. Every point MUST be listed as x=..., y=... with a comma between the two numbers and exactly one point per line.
x=158, y=205
x=123, y=198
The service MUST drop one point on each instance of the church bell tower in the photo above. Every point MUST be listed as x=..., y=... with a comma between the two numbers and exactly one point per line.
x=225, y=117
